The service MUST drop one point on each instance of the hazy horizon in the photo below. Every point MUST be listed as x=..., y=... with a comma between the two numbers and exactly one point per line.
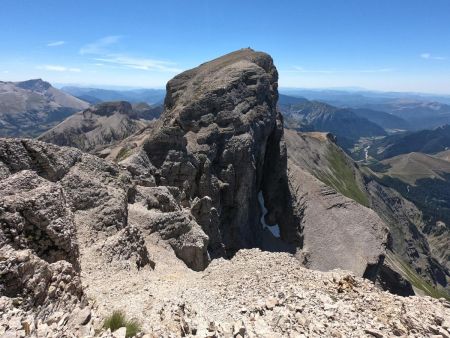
x=401, y=46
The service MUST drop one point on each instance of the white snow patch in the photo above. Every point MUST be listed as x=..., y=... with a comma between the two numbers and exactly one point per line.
x=366, y=152
x=274, y=229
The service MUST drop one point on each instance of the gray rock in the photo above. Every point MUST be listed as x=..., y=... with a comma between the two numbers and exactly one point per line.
x=332, y=222
x=120, y=333
x=318, y=154
x=37, y=282
x=83, y=316
x=215, y=141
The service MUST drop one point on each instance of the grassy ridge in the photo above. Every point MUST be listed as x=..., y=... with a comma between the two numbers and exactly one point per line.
x=342, y=178
x=415, y=279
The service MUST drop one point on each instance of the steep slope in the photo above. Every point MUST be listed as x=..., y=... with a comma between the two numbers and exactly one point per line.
x=424, y=180
x=443, y=155
x=96, y=127
x=28, y=108
x=316, y=153
x=424, y=141
x=347, y=126
x=412, y=251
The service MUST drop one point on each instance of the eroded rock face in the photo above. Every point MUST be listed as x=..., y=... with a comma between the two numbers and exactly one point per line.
x=34, y=215
x=158, y=210
x=34, y=282
x=214, y=141
x=59, y=208
x=338, y=232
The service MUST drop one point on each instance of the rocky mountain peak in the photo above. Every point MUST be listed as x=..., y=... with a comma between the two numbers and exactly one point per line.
x=217, y=136
x=37, y=85
x=109, y=108
x=217, y=76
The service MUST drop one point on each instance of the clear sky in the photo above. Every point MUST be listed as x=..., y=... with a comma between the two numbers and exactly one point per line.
x=401, y=45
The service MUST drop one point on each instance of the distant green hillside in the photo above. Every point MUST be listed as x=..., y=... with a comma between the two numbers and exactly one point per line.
x=342, y=177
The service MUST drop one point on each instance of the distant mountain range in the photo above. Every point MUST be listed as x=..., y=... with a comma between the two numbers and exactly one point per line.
x=419, y=115
x=424, y=141
x=344, y=123
x=383, y=119
x=420, y=111
x=101, y=125
x=358, y=97
x=30, y=107
x=96, y=95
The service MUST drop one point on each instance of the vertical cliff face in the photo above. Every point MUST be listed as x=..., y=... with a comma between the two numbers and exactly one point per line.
x=218, y=141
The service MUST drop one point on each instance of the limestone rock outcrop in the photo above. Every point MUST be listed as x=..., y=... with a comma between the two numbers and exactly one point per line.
x=58, y=209
x=214, y=141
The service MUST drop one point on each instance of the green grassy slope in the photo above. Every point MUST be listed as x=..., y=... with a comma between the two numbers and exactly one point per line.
x=342, y=177
x=415, y=279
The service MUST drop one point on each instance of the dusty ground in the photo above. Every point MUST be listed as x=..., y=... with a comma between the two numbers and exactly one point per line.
x=259, y=294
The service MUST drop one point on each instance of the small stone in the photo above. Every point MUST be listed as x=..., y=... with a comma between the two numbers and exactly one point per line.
x=301, y=319
x=212, y=326
x=55, y=317
x=271, y=302
x=120, y=333
x=83, y=316
x=239, y=329
x=374, y=333
x=444, y=333
x=337, y=334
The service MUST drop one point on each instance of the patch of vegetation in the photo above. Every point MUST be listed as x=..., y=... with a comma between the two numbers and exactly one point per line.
x=430, y=195
x=379, y=167
x=343, y=178
x=118, y=319
x=419, y=283
x=123, y=154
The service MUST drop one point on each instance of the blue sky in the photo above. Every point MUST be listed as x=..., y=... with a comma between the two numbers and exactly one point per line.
x=379, y=44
